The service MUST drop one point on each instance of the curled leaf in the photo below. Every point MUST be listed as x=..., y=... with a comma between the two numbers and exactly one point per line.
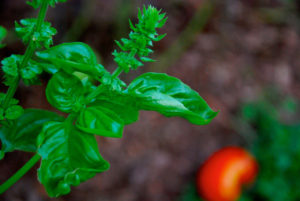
x=69, y=157
x=65, y=92
x=100, y=121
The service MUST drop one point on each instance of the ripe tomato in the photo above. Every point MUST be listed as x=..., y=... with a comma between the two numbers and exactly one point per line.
x=223, y=174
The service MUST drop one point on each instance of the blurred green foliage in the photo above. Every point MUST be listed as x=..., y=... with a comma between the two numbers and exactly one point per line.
x=276, y=146
x=190, y=193
x=277, y=150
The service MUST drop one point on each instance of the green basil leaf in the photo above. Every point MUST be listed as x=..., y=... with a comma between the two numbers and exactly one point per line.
x=69, y=157
x=3, y=34
x=10, y=65
x=14, y=112
x=126, y=61
x=23, y=133
x=26, y=30
x=65, y=92
x=125, y=111
x=72, y=57
x=100, y=121
x=169, y=96
x=29, y=73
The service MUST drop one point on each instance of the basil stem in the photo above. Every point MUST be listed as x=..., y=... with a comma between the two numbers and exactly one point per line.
x=20, y=173
x=28, y=54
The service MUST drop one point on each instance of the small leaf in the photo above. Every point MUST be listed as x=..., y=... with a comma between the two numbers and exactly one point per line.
x=126, y=61
x=65, y=92
x=146, y=59
x=69, y=157
x=100, y=121
x=10, y=65
x=26, y=30
x=12, y=69
x=140, y=38
x=71, y=57
x=14, y=112
x=170, y=97
x=23, y=133
x=113, y=83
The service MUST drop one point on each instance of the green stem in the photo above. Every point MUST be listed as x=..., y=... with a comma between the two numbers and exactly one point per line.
x=117, y=72
x=42, y=15
x=71, y=118
x=27, y=55
x=20, y=173
x=10, y=93
x=31, y=48
x=101, y=88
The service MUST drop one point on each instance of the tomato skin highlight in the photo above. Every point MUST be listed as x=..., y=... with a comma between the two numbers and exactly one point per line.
x=221, y=177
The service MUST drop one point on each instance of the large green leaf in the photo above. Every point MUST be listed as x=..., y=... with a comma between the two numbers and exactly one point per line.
x=118, y=104
x=72, y=57
x=69, y=157
x=65, y=92
x=100, y=121
x=23, y=134
x=170, y=97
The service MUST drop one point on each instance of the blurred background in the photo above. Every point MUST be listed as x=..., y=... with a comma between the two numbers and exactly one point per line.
x=242, y=56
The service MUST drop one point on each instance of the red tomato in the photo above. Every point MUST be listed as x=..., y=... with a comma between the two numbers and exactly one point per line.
x=223, y=174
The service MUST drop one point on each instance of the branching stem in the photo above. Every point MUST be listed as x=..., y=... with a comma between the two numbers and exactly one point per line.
x=28, y=54
x=11, y=92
